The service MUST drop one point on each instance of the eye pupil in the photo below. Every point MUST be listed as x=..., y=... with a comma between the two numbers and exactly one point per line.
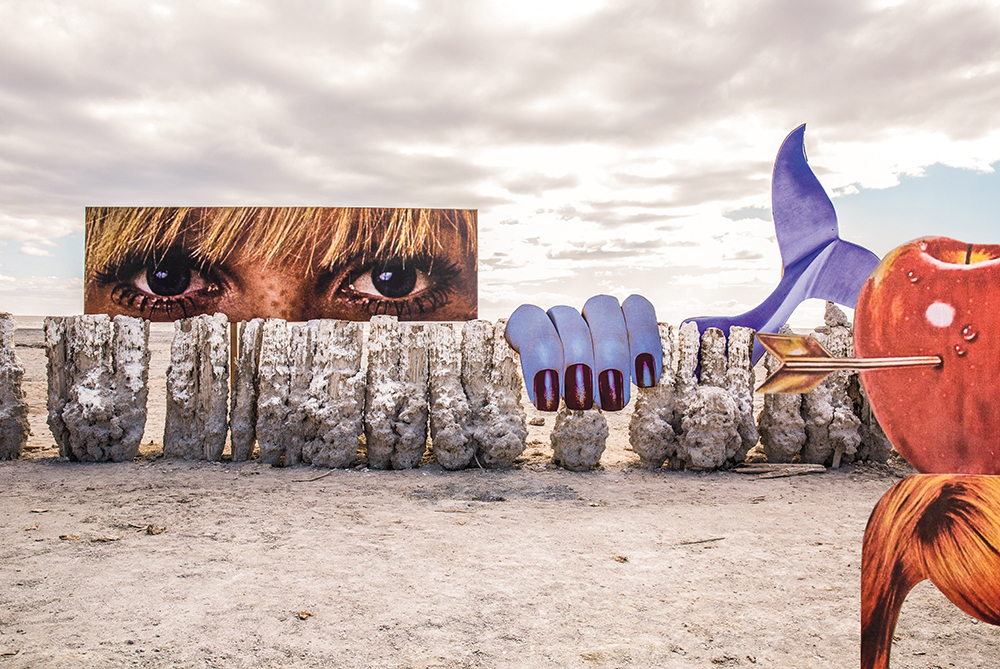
x=394, y=280
x=168, y=280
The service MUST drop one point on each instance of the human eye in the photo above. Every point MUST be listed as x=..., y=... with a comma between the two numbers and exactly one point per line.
x=393, y=279
x=401, y=287
x=174, y=285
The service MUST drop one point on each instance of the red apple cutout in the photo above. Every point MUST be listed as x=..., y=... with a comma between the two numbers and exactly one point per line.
x=936, y=296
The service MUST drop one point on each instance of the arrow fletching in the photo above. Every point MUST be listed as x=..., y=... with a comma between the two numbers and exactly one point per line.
x=805, y=363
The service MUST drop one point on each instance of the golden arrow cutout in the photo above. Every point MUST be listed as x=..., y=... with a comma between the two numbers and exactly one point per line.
x=805, y=363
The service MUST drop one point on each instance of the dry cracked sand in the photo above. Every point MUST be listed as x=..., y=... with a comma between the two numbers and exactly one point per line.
x=169, y=563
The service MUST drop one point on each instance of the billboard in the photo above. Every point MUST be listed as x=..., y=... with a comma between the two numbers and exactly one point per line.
x=294, y=263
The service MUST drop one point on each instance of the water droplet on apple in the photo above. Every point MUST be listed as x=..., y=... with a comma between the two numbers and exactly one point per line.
x=913, y=276
x=969, y=334
x=959, y=351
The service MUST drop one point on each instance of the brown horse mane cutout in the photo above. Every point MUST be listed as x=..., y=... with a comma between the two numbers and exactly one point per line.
x=944, y=528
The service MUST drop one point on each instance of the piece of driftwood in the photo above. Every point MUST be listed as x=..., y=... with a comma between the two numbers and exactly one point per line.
x=700, y=541
x=768, y=470
x=314, y=478
x=838, y=453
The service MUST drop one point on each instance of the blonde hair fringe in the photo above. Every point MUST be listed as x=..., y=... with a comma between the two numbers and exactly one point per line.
x=270, y=235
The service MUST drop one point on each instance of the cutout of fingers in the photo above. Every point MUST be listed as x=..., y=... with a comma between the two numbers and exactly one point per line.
x=644, y=344
x=586, y=356
x=531, y=333
x=611, y=353
x=578, y=357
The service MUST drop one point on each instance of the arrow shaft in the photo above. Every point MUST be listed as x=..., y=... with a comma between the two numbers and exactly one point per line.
x=805, y=363
x=837, y=364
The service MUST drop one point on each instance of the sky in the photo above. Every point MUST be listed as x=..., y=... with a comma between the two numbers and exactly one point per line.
x=619, y=146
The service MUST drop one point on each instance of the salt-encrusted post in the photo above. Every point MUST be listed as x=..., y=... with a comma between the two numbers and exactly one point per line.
x=98, y=373
x=782, y=428
x=274, y=377
x=578, y=438
x=301, y=348
x=874, y=446
x=712, y=357
x=326, y=399
x=14, y=429
x=655, y=419
x=130, y=357
x=688, y=347
x=198, y=389
x=477, y=357
x=831, y=424
x=449, y=408
x=834, y=422
x=383, y=391
x=412, y=422
x=832, y=429
x=709, y=424
x=58, y=379
x=307, y=396
x=243, y=403
x=740, y=384
x=396, y=394
x=491, y=377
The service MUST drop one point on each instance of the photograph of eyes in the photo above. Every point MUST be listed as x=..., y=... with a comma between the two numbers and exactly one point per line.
x=294, y=263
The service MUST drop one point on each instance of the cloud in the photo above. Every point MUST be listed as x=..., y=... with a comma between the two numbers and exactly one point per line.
x=700, y=184
x=625, y=116
x=744, y=254
x=498, y=261
x=631, y=216
x=604, y=250
x=537, y=184
x=383, y=102
x=34, y=230
x=743, y=213
x=29, y=250
x=41, y=295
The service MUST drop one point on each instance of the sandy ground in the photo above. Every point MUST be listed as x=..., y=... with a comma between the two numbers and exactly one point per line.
x=165, y=563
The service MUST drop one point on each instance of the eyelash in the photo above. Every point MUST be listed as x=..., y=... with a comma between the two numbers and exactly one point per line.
x=440, y=273
x=149, y=305
x=430, y=300
x=127, y=294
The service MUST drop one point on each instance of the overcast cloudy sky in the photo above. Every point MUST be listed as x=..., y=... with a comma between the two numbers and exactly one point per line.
x=610, y=146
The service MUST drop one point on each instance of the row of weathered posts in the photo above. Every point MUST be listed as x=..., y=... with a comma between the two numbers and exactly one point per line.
x=326, y=393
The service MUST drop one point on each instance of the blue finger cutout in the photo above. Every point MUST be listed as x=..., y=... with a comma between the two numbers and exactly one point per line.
x=530, y=332
x=611, y=355
x=645, y=349
x=578, y=357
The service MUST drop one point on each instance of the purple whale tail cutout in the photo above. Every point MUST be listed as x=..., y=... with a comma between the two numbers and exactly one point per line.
x=816, y=263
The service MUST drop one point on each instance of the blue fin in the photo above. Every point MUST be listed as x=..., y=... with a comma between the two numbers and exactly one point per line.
x=816, y=263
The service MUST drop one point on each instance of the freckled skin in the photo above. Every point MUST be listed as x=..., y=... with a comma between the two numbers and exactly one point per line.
x=298, y=292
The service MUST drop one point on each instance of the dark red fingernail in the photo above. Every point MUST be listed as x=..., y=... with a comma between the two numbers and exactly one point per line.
x=579, y=387
x=645, y=376
x=610, y=384
x=547, y=390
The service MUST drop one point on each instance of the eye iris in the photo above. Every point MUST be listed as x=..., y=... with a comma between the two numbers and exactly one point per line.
x=394, y=280
x=168, y=280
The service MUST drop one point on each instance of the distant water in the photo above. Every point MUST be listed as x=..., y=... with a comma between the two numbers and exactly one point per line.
x=30, y=332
